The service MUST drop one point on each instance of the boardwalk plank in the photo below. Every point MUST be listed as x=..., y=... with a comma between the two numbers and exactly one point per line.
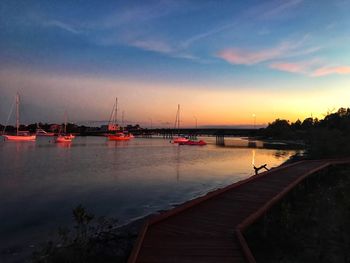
x=205, y=231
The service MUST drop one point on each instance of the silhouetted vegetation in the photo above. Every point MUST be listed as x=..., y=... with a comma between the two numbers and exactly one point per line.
x=311, y=224
x=91, y=240
x=324, y=138
x=71, y=128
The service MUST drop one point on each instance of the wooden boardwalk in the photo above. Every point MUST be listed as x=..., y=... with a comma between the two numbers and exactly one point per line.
x=209, y=228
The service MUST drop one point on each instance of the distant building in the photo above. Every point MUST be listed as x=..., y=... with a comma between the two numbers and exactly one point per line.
x=113, y=127
x=110, y=127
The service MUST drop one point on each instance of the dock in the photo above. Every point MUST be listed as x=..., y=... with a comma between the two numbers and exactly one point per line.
x=209, y=229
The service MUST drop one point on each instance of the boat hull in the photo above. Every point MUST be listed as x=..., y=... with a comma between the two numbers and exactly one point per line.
x=194, y=143
x=181, y=140
x=118, y=138
x=46, y=134
x=20, y=137
x=64, y=138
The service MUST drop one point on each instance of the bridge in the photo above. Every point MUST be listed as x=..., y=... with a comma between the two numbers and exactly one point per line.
x=199, y=131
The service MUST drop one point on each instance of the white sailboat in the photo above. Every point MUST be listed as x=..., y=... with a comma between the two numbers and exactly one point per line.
x=20, y=135
x=64, y=137
x=179, y=139
x=118, y=135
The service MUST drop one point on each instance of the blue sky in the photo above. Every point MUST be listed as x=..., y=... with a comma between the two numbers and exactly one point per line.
x=221, y=60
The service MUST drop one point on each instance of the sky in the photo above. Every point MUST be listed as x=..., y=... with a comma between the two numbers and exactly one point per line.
x=226, y=63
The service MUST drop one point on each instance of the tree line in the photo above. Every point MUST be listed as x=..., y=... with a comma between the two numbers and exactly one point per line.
x=328, y=137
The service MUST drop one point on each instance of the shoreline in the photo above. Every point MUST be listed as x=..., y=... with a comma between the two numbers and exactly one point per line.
x=128, y=232
x=135, y=226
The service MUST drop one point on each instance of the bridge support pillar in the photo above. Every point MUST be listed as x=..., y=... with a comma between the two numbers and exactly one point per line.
x=220, y=140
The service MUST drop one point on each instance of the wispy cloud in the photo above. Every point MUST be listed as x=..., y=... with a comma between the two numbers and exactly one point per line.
x=280, y=8
x=303, y=67
x=250, y=57
x=341, y=70
x=61, y=25
x=139, y=15
x=137, y=27
x=153, y=45
x=289, y=67
x=186, y=43
x=245, y=57
x=284, y=57
x=263, y=11
x=160, y=46
x=312, y=68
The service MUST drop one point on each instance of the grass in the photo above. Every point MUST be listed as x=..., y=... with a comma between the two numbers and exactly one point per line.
x=90, y=240
x=311, y=224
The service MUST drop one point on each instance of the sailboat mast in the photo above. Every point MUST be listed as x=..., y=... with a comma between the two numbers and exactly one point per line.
x=116, y=112
x=123, y=118
x=17, y=112
x=178, y=119
x=65, y=123
x=175, y=124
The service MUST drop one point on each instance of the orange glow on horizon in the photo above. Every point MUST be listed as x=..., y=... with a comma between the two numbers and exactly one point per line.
x=219, y=105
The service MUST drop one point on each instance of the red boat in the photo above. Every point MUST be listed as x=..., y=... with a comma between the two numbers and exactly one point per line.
x=64, y=138
x=21, y=136
x=119, y=136
x=180, y=140
x=198, y=143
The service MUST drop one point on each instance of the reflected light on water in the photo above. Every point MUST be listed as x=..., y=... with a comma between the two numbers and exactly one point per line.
x=41, y=182
x=253, y=157
x=64, y=144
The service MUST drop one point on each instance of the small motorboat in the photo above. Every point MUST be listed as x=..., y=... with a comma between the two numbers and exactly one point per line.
x=197, y=143
x=180, y=140
x=119, y=136
x=64, y=138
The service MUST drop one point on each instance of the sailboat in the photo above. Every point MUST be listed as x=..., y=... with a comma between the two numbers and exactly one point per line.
x=179, y=139
x=20, y=135
x=118, y=135
x=64, y=137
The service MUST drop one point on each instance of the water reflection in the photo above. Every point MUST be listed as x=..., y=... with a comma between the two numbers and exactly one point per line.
x=281, y=153
x=64, y=145
x=253, y=157
x=120, y=144
x=41, y=182
x=177, y=163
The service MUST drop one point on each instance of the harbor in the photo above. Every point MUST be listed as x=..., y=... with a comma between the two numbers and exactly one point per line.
x=174, y=131
x=42, y=181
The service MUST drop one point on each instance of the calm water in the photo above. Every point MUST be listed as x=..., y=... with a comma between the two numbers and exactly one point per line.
x=41, y=182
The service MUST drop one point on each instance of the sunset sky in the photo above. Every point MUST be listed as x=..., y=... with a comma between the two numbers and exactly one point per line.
x=223, y=61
